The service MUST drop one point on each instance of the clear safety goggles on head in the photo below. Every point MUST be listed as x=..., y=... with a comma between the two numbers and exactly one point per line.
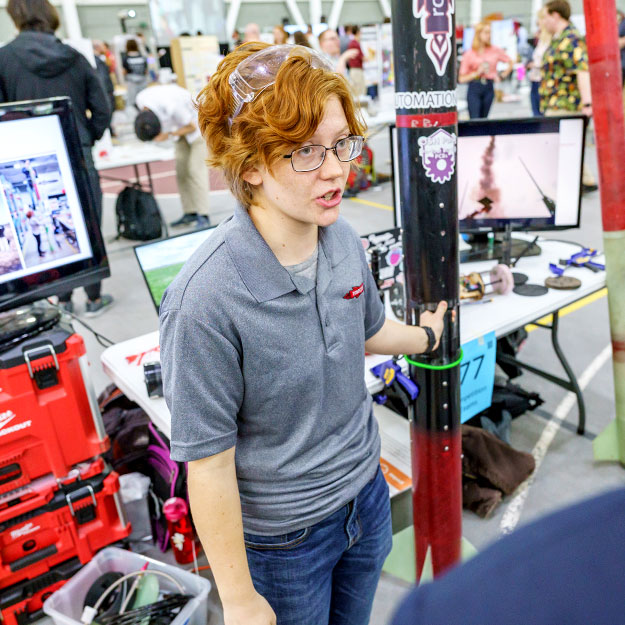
x=259, y=70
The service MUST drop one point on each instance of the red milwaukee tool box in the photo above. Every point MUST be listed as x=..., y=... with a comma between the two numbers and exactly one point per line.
x=22, y=603
x=49, y=417
x=40, y=491
x=75, y=519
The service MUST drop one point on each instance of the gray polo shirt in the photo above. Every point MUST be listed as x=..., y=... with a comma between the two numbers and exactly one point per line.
x=252, y=360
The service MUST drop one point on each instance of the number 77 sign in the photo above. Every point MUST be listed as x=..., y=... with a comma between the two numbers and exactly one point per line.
x=477, y=375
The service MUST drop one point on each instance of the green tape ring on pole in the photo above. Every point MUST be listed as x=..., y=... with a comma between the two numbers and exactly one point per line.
x=436, y=367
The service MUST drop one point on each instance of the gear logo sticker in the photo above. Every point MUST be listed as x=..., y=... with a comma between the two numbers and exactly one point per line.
x=436, y=29
x=438, y=155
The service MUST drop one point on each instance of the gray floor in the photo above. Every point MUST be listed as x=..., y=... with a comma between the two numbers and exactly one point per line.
x=568, y=472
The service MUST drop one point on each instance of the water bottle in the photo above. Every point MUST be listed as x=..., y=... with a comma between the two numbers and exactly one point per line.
x=181, y=535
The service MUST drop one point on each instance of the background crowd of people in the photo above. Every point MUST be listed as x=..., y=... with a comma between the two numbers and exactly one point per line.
x=555, y=59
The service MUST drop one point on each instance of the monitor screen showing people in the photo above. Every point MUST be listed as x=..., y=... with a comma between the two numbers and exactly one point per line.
x=41, y=218
x=50, y=240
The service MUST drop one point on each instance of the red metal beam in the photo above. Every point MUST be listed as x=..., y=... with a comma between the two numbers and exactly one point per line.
x=607, y=100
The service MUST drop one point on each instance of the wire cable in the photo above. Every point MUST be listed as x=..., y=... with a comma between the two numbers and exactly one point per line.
x=100, y=338
x=131, y=592
x=121, y=580
x=194, y=554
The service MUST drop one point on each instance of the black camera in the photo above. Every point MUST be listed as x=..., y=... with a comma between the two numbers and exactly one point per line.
x=153, y=379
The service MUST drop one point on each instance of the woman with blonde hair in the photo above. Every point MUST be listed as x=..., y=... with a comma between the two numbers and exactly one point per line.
x=263, y=334
x=479, y=69
x=534, y=67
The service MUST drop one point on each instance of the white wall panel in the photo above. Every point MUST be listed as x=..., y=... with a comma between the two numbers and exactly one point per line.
x=99, y=18
x=361, y=12
x=265, y=14
x=101, y=22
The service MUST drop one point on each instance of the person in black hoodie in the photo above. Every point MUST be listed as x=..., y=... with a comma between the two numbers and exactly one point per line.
x=38, y=65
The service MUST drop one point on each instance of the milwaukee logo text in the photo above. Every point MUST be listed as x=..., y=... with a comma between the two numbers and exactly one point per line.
x=355, y=292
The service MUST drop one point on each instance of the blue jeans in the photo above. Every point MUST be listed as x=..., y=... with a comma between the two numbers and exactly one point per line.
x=326, y=574
x=480, y=98
x=535, y=99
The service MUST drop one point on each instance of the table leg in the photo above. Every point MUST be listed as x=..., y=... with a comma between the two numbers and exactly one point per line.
x=569, y=384
x=137, y=175
x=147, y=169
x=569, y=372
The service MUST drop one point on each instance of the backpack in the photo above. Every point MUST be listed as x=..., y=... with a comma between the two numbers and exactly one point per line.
x=138, y=216
x=509, y=345
x=512, y=398
x=138, y=445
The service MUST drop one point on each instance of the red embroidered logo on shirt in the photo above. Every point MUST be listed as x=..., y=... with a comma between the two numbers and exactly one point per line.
x=355, y=292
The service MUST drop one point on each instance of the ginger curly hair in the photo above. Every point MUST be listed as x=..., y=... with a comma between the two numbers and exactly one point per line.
x=278, y=120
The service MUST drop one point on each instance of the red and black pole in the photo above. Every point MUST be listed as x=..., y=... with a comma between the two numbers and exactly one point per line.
x=424, y=50
x=607, y=103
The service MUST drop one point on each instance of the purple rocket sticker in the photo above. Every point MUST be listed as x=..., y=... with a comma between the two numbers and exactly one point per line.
x=438, y=155
x=436, y=23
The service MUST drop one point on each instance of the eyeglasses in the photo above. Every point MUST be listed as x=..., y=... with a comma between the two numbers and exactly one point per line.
x=311, y=157
x=259, y=70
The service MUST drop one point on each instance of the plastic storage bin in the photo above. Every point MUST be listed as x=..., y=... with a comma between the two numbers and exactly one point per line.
x=65, y=606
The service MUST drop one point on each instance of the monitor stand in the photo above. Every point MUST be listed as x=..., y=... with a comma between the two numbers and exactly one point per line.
x=503, y=248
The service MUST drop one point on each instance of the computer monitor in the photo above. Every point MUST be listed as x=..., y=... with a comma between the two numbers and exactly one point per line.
x=523, y=174
x=50, y=241
x=160, y=261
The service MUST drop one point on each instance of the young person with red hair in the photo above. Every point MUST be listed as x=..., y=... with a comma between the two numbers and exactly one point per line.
x=263, y=335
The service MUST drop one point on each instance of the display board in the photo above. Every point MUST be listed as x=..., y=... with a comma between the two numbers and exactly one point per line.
x=194, y=60
x=171, y=18
x=503, y=36
x=372, y=61
x=386, y=52
x=376, y=43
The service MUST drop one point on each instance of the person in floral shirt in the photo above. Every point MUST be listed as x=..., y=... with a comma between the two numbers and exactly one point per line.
x=565, y=87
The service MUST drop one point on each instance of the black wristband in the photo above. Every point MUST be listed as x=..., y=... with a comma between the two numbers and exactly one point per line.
x=431, y=339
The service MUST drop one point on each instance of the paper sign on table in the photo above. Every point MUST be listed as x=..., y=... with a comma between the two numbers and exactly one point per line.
x=477, y=375
x=395, y=452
